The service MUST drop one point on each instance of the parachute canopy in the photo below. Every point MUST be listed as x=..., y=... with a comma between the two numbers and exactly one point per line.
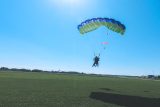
x=95, y=23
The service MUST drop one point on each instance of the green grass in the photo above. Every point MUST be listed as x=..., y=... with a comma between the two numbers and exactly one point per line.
x=24, y=89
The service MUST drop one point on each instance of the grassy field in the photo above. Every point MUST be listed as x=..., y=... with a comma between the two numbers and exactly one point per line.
x=25, y=89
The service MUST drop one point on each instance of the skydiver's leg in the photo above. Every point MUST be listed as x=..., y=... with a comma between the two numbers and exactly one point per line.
x=94, y=64
x=97, y=64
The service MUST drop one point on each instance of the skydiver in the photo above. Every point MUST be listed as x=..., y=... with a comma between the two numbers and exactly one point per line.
x=96, y=61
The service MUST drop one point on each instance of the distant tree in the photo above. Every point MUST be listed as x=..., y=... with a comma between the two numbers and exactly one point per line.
x=82, y=73
x=14, y=69
x=73, y=72
x=25, y=70
x=37, y=70
x=46, y=71
x=151, y=76
x=4, y=69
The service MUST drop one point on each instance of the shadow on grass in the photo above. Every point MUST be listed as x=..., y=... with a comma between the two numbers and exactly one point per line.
x=126, y=100
x=146, y=91
x=106, y=89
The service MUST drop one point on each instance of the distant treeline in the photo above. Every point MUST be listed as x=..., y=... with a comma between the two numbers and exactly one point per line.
x=2, y=69
x=38, y=70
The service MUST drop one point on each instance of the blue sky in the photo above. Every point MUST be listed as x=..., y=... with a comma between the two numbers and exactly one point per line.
x=43, y=34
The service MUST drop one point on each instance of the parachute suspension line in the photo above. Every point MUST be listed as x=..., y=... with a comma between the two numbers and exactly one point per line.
x=102, y=50
x=91, y=45
x=107, y=34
